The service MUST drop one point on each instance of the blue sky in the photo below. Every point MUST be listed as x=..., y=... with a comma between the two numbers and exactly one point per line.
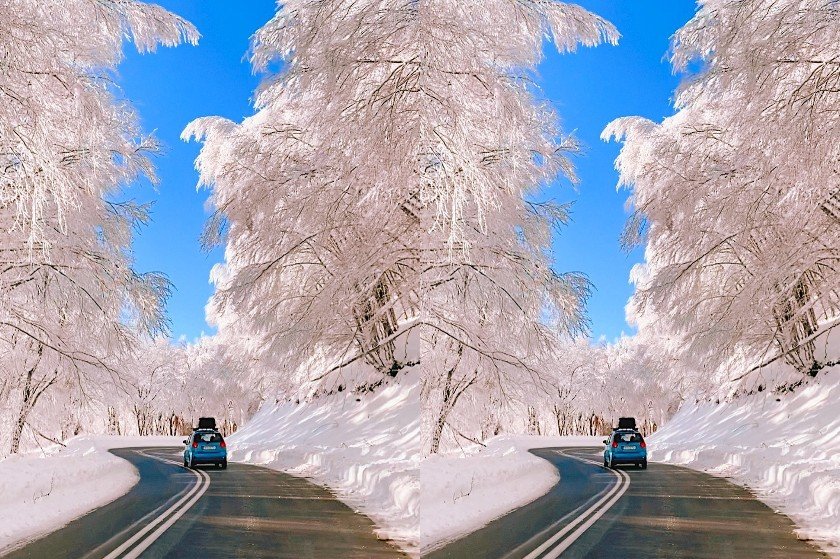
x=588, y=88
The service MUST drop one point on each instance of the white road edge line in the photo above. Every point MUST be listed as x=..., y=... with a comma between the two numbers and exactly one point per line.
x=607, y=501
x=202, y=482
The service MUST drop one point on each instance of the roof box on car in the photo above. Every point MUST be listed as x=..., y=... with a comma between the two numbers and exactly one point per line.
x=626, y=423
x=206, y=423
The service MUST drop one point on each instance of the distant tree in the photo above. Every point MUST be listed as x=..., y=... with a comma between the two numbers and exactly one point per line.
x=736, y=195
x=167, y=387
x=584, y=388
x=387, y=185
x=70, y=301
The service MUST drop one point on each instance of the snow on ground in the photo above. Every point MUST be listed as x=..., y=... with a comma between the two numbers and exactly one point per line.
x=42, y=491
x=784, y=447
x=366, y=449
x=463, y=491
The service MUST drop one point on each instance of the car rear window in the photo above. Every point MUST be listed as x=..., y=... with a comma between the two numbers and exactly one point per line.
x=628, y=438
x=207, y=438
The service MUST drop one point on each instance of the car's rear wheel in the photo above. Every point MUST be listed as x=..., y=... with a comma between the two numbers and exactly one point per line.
x=605, y=462
x=191, y=464
x=644, y=465
x=223, y=464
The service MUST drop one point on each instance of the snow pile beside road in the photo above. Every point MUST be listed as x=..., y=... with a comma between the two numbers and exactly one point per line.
x=463, y=491
x=785, y=447
x=366, y=449
x=40, y=492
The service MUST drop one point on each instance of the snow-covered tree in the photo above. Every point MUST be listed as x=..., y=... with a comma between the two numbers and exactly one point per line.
x=584, y=389
x=491, y=305
x=389, y=183
x=737, y=196
x=167, y=387
x=70, y=301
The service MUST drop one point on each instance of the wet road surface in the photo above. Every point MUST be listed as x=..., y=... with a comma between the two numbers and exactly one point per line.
x=664, y=512
x=243, y=511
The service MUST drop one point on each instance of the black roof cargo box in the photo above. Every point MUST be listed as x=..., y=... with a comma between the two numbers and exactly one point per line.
x=626, y=423
x=206, y=423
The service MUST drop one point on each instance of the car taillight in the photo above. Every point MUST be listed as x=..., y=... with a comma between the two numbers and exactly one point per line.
x=615, y=444
x=223, y=445
x=643, y=444
x=195, y=444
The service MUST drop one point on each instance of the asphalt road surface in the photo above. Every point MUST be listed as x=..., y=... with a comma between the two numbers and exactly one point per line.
x=665, y=512
x=244, y=511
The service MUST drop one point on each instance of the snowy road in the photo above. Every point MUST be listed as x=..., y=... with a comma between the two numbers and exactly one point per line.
x=244, y=511
x=662, y=512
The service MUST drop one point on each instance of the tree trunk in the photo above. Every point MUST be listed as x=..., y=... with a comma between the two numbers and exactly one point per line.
x=376, y=323
x=17, y=431
x=451, y=392
x=796, y=322
x=533, y=421
x=437, y=432
x=113, y=422
x=31, y=393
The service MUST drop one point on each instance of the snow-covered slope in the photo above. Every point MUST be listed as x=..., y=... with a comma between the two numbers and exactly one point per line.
x=365, y=448
x=783, y=446
x=42, y=491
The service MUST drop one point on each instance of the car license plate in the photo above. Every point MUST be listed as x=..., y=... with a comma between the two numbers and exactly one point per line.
x=629, y=447
x=209, y=447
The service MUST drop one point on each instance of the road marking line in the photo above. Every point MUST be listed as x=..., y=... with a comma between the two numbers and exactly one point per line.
x=201, y=484
x=572, y=514
x=607, y=501
x=142, y=546
x=565, y=544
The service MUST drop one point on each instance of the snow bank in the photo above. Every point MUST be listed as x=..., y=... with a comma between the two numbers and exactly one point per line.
x=40, y=492
x=463, y=492
x=784, y=447
x=366, y=449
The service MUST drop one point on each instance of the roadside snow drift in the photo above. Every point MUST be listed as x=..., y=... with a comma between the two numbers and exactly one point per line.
x=40, y=493
x=366, y=449
x=784, y=447
x=463, y=491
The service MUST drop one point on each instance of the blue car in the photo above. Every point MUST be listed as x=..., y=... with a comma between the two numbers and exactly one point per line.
x=205, y=446
x=625, y=446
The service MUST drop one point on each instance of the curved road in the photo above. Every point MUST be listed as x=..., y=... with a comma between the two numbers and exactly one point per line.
x=244, y=511
x=664, y=512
